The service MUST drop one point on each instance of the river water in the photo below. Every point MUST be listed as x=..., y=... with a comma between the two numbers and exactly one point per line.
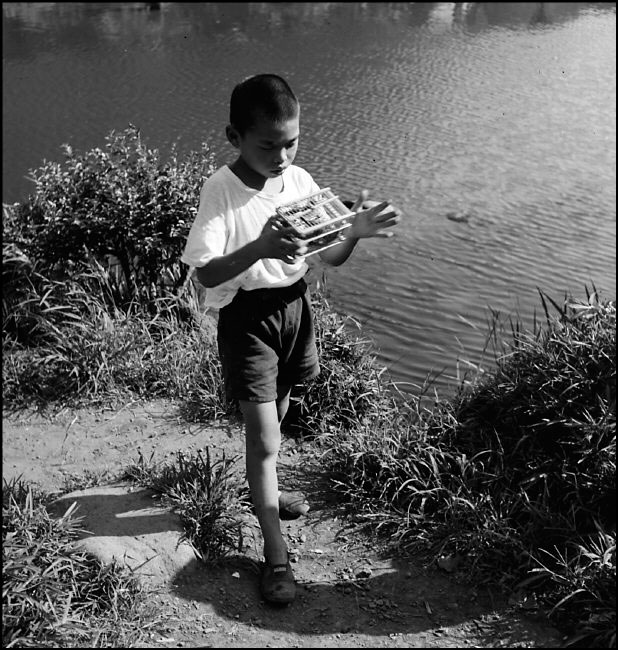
x=492, y=126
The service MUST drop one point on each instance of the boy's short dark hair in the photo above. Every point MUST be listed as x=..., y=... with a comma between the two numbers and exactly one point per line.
x=265, y=95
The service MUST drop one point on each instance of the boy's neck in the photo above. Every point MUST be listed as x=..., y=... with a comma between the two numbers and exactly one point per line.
x=254, y=180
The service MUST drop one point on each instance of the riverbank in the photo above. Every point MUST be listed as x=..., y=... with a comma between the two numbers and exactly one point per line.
x=382, y=473
x=352, y=591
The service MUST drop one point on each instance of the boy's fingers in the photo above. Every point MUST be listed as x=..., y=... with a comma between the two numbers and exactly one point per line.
x=276, y=223
x=376, y=209
x=286, y=232
x=387, y=216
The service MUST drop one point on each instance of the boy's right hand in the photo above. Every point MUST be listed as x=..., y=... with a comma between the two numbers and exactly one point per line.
x=278, y=241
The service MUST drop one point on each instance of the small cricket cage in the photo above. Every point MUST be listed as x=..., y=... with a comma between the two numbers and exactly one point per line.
x=319, y=219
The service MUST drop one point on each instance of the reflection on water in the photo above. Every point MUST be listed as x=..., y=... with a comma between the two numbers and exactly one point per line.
x=117, y=20
x=504, y=112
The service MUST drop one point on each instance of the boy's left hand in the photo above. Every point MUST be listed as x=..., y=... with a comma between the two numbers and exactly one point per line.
x=372, y=218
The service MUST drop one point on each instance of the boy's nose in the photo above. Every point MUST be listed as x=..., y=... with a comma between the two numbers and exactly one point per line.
x=280, y=156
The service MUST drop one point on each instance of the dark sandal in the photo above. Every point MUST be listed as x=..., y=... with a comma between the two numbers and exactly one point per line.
x=277, y=584
x=292, y=505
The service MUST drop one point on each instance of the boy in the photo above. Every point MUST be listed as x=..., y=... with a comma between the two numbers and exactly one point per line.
x=253, y=270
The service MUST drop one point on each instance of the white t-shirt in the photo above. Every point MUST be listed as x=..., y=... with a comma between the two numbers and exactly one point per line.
x=231, y=215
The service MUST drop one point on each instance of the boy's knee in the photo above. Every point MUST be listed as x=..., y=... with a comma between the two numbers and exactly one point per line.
x=262, y=448
x=263, y=436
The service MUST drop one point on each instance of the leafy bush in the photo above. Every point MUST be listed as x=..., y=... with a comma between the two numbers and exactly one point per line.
x=122, y=205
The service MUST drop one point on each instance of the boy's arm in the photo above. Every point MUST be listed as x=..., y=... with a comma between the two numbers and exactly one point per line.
x=224, y=268
x=274, y=241
x=368, y=222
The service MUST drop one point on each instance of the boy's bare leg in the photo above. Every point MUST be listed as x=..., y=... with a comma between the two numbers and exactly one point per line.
x=263, y=440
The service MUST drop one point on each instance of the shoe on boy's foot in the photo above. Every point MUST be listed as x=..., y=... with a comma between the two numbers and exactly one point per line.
x=277, y=584
x=292, y=505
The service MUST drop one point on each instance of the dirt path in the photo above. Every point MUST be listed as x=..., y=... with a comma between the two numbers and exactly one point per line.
x=350, y=593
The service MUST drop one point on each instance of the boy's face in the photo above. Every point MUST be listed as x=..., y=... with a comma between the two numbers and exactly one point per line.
x=268, y=147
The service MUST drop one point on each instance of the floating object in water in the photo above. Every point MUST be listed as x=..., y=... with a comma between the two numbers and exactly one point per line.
x=460, y=216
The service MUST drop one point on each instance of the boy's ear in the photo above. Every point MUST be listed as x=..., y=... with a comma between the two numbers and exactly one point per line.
x=232, y=135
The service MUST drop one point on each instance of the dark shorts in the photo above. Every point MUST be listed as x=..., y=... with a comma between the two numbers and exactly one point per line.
x=266, y=339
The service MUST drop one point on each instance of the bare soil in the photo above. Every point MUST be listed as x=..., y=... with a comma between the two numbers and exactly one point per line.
x=351, y=593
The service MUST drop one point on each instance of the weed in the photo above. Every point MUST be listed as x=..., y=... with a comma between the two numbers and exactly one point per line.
x=206, y=494
x=54, y=595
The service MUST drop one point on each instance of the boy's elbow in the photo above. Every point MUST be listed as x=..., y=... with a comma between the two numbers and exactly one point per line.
x=204, y=277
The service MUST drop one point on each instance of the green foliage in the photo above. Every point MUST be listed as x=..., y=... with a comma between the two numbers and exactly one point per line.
x=122, y=205
x=548, y=417
x=54, y=596
x=581, y=583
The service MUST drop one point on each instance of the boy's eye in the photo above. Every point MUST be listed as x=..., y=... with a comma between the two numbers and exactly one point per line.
x=289, y=145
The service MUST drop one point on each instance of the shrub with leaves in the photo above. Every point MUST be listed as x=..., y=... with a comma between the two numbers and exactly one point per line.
x=123, y=205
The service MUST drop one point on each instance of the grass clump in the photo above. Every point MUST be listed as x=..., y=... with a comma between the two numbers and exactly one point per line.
x=77, y=346
x=206, y=493
x=54, y=595
x=350, y=386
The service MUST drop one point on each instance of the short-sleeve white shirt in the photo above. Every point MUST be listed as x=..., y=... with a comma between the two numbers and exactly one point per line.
x=230, y=215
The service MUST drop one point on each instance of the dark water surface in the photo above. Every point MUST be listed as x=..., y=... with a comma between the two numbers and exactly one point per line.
x=501, y=113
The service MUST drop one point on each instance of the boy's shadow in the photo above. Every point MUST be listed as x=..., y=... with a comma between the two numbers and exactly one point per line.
x=336, y=594
x=394, y=603
x=398, y=600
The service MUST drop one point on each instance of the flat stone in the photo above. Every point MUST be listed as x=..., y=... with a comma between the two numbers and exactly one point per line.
x=122, y=523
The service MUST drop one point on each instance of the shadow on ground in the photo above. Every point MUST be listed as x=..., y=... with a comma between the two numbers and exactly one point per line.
x=395, y=602
x=350, y=590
